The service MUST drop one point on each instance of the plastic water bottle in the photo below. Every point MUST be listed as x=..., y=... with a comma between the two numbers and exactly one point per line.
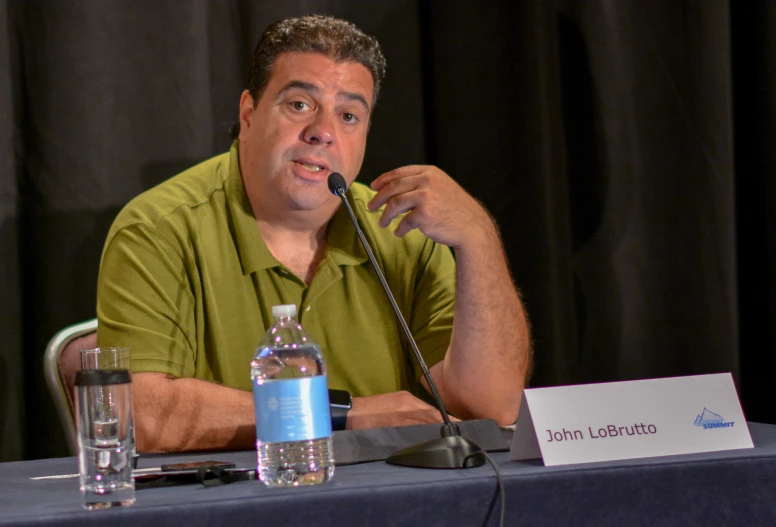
x=291, y=397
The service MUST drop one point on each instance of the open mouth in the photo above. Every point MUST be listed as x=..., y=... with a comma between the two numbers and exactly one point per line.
x=311, y=167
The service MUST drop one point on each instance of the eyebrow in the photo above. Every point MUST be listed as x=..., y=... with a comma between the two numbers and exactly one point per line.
x=312, y=88
x=305, y=86
x=355, y=97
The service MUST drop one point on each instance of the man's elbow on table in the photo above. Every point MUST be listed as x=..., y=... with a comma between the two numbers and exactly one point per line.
x=503, y=412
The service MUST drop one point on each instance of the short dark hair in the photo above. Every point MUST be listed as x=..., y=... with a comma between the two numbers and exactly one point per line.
x=336, y=38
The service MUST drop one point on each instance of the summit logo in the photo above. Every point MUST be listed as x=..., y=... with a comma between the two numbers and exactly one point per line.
x=708, y=419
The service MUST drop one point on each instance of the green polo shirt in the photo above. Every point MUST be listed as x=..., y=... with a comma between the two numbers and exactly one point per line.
x=188, y=284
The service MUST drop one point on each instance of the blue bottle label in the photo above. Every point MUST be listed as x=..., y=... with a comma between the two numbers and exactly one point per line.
x=292, y=409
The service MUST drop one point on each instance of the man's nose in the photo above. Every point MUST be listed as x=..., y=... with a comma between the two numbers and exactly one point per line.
x=321, y=131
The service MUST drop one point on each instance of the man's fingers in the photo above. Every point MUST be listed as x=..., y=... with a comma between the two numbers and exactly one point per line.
x=407, y=223
x=391, y=409
x=383, y=179
x=398, y=205
x=387, y=177
x=390, y=190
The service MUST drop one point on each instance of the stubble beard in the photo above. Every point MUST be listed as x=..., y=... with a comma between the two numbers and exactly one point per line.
x=305, y=196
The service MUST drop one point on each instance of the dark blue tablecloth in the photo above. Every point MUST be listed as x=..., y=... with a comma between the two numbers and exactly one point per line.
x=721, y=488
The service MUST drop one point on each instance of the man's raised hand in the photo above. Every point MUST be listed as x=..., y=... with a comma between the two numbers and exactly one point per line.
x=435, y=204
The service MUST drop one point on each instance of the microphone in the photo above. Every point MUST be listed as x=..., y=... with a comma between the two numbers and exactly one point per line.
x=451, y=450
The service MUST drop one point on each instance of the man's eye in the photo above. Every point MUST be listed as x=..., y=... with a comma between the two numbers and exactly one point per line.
x=349, y=118
x=298, y=105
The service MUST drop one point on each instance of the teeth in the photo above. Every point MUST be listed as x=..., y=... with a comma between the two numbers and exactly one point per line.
x=311, y=168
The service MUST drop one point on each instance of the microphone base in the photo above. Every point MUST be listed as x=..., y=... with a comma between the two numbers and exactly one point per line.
x=445, y=452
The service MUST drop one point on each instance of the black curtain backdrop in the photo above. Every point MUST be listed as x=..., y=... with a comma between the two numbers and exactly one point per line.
x=622, y=146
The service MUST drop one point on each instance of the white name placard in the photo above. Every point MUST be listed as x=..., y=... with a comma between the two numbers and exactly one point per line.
x=632, y=419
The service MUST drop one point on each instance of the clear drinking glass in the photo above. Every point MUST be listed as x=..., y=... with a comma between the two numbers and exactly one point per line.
x=110, y=358
x=105, y=442
x=106, y=358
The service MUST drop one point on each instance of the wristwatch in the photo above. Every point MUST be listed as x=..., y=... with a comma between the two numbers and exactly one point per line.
x=340, y=403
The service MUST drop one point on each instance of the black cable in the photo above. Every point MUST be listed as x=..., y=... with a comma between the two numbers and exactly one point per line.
x=499, y=488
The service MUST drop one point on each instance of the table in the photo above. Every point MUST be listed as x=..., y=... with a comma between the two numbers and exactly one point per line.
x=720, y=488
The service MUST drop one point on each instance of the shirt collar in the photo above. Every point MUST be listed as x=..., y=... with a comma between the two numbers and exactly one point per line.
x=254, y=254
x=344, y=247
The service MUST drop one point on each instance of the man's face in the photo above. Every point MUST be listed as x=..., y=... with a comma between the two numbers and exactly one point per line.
x=311, y=120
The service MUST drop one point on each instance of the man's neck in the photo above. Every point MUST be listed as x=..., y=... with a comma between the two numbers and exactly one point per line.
x=301, y=251
x=296, y=238
x=283, y=235
x=287, y=229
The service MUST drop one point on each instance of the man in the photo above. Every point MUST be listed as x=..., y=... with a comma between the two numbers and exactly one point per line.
x=191, y=268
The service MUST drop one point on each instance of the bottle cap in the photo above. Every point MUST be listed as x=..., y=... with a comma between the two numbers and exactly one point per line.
x=285, y=310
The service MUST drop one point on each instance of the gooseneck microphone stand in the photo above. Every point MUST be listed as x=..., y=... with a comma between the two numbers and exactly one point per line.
x=451, y=450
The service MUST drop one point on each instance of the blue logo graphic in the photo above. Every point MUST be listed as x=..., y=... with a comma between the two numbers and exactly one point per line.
x=709, y=419
x=292, y=409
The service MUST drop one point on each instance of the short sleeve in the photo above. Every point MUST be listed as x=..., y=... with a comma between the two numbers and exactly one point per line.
x=433, y=304
x=145, y=301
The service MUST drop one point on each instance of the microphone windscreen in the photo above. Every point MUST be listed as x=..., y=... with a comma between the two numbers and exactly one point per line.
x=336, y=182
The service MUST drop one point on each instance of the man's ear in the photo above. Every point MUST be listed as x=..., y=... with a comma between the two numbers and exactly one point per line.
x=247, y=108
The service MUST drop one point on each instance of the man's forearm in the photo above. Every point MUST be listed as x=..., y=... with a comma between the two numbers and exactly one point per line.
x=174, y=415
x=485, y=369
